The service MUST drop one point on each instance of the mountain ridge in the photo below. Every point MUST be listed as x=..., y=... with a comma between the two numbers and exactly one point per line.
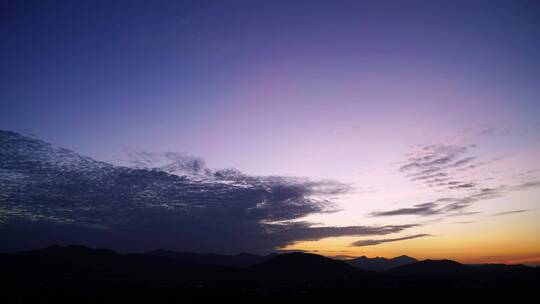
x=242, y=259
x=380, y=263
x=249, y=259
x=83, y=272
x=432, y=267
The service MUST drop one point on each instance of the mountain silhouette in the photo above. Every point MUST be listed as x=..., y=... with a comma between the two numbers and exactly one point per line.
x=102, y=275
x=77, y=254
x=238, y=260
x=499, y=267
x=431, y=267
x=300, y=265
x=379, y=263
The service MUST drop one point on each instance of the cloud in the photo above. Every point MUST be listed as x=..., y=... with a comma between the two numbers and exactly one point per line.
x=463, y=161
x=171, y=162
x=437, y=165
x=306, y=232
x=420, y=209
x=453, y=206
x=447, y=205
x=363, y=243
x=52, y=195
x=462, y=213
x=459, y=185
x=524, y=186
x=510, y=212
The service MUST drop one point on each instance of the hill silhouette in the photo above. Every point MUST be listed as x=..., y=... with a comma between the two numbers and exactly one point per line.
x=499, y=267
x=300, y=265
x=60, y=273
x=238, y=260
x=379, y=263
x=432, y=267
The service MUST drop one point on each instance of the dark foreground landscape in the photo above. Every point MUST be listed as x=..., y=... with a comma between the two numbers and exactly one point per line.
x=79, y=274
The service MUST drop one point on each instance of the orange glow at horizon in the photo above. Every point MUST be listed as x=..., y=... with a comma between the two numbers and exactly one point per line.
x=495, y=240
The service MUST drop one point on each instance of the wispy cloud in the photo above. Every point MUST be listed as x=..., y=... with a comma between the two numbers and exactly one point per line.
x=510, y=212
x=450, y=206
x=373, y=242
x=447, y=168
x=306, y=232
x=436, y=165
x=420, y=209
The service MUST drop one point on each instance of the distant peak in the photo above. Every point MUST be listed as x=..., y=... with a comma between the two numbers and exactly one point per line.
x=404, y=257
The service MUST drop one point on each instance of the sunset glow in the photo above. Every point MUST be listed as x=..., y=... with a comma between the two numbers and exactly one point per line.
x=342, y=128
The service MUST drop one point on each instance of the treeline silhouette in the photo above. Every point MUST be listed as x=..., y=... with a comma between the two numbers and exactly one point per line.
x=83, y=275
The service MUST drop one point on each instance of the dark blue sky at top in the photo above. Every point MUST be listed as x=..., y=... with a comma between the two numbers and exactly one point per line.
x=93, y=73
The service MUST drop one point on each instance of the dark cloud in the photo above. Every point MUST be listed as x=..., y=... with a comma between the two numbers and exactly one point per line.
x=459, y=185
x=420, y=209
x=53, y=195
x=524, y=186
x=306, y=232
x=457, y=206
x=462, y=161
x=446, y=206
x=362, y=243
x=527, y=173
x=510, y=212
x=436, y=166
x=462, y=213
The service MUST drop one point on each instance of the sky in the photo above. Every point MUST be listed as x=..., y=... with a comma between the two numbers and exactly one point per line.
x=427, y=112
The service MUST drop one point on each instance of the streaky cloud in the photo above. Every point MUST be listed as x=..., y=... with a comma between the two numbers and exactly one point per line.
x=457, y=206
x=510, y=212
x=436, y=166
x=362, y=243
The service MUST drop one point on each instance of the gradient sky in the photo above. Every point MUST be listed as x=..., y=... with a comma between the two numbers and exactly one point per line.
x=352, y=91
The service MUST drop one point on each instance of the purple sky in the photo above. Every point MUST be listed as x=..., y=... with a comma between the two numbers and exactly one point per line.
x=341, y=90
